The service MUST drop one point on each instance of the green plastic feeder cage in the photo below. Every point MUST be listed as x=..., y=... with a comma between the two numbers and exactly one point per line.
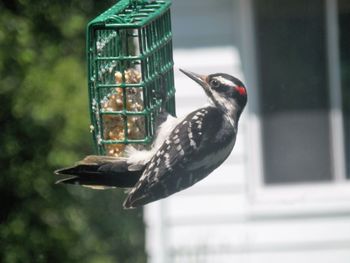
x=130, y=73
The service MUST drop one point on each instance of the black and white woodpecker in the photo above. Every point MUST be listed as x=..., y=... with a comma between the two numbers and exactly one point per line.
x=184, y=151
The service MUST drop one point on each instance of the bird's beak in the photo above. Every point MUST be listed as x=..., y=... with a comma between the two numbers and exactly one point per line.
x=200, y=79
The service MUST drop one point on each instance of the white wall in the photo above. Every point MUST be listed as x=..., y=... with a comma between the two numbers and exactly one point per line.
x=220, y=196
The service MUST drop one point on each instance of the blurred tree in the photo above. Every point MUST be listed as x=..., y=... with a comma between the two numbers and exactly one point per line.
x=44, y=125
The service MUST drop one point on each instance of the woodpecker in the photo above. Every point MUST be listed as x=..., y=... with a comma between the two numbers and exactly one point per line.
x=184, y=151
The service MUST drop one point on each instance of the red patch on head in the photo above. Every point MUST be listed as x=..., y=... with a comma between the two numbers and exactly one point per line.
x=241, y=90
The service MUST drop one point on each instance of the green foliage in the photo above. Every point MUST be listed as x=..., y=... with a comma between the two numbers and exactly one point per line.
x=44, y=125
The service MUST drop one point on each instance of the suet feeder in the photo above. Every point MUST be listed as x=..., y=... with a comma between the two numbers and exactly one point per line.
x=130, y=73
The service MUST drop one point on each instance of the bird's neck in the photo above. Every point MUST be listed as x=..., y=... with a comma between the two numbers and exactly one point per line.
x=230, y=109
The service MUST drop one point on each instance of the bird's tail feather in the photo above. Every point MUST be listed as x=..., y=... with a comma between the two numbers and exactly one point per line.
x=101, y=172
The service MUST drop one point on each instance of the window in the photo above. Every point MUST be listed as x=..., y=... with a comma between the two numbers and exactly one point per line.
x=300, y=103
x=344, y=23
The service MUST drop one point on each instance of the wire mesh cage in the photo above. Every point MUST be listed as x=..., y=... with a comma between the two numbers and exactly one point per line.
x=130, y=73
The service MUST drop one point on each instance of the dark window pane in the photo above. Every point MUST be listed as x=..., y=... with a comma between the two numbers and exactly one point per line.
x=291, y=45
x=344, y=27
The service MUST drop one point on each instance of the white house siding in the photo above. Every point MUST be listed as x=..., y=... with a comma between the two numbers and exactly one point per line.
x=194, y=218
x=227, y=217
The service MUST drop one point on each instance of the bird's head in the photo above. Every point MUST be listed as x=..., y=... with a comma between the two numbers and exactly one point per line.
x=224, y=91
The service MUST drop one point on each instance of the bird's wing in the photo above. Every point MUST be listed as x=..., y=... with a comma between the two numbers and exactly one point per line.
x=168, y=170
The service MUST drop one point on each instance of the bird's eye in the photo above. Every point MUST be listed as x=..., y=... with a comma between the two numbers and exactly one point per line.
x=214, y=83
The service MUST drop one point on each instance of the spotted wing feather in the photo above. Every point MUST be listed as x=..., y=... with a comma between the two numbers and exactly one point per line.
x=169, y=170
